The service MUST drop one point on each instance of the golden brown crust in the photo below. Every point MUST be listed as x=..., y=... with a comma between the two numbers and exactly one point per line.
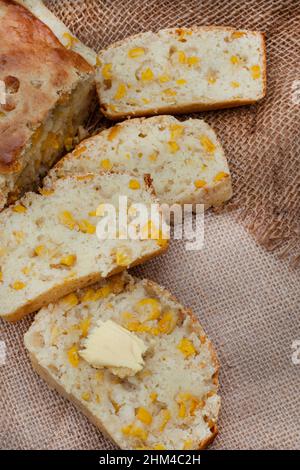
x=36, y=69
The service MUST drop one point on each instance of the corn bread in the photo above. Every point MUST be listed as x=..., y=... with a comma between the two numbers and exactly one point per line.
x=181, y=70
x=49, y=245
x=172, y=403
x=49, y=90
x=185, y=159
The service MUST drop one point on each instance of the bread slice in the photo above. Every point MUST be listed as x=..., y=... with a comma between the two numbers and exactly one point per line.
x=48, y=93
x=182, y=70
x=49, y=246
x=172, y=403
x=185, y=159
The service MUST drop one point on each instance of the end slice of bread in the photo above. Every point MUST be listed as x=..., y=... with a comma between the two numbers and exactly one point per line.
x=172, y=403
x=182, y=70
x=185, y=159
x=49, y=245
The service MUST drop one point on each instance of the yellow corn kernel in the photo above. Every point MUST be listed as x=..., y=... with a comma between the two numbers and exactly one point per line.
x=153, y=156
x=73, y=356
x=181, y=57
x=1, y=276
x=19, y=209
x=186, y=347
x=182, y=410
x=123, y=258
x=170, y=92
x=106, y=71
x=193, y=60
x=159, y=446
x=121, y=92
x=220, y=176
x=136, y=52
x=162, y=241
x=79, y=151
x=144, y=416
x=176, y=131
x=255, y=72
x=167, y=323
x=235, y=84
x=46, y=192
x=18, y=285
x=86, y=227
x=138, y=327
x=71, y=300
x=153, y=396
x=89, y=296
x=134, y=431
x=181, y=81
x=67, y=219
x=102, y=293
x=187, y=445
x=68, y=260
x=106, y=164
x=234, y=59
x=93, y=213
x=114, y=131
x=134, y=184
x=99, y=375
x=146, y=100
x=173, y=146
x=98, y=62
x=164, y=78
x=147, y=75
x=70, y=40
x=19, y=236
x=207, y=144
x=86, y=396
x=237, y=34
x=40, y=250
x=200, y=184
x=152, y=307
x=166, y=416
x=127, y=316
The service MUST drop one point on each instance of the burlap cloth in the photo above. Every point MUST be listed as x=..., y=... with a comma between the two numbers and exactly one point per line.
x=246, y=298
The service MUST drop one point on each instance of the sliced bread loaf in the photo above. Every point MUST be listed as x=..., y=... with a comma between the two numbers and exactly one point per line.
x=185, y=159
x=172, y=403
x=182, y=70
x=49, y=246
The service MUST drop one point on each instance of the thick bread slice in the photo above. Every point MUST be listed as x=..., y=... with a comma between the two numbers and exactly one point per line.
x=182, y=70
x=49, y=246
x=48, y=93
x=185, y=159
x=172, y=403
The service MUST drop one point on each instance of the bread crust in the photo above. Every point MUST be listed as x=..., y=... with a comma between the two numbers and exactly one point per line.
x=54, y=384
x=188, y=107
x=37, y=69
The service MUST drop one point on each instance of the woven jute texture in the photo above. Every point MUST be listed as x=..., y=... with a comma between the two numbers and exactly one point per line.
x=246, y=298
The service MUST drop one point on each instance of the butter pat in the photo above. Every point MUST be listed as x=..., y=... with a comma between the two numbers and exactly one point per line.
x=110, y=345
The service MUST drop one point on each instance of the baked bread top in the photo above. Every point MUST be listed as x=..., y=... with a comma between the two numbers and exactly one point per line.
x=37, y=71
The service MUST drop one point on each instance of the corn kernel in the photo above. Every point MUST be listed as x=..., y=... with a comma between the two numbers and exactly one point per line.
x=18, y=285
x=151, y=307
x=102, y=293
x=134, y=184
x=86, y=396
x=79, y=151
x=170, y=92
x=234, y=59
x=181, y=57
x=153, y=156
x=123, y=258
x=99, y=375
x=98, y=62
x=1, y=276
x=121, y=92
x=176, y=131
x=136, y=52
x=187, y=445
x=134, y=431
x=164, y=78
x=147, y=75
x=106, y=164
x=86, y=227
x=166, y=416
x=235, y=84
x=68, y=260
x=153, y=396
x=106, y=71
x=186, y=347
x=200, y=184
x=207, y=144
x=70, y=40
x=19, y=236
x=144, y=416
x=173, y=146
x=255, y=72
x=39, y=250
x=71, y=300
x=146, y=100
x=182, y=410
x=159, y=446
x=167, y=323
x=73, y=356
x=181, y=81
x=46, y=192
x=93, y=213
x=193, y=60
x=220, y=176
x=114, y=131
x=19, y=209
x=67, y=219
x=237, y=34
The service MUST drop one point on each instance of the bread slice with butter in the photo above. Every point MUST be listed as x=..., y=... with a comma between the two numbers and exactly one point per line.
x=182, y=70
x=49, y=245
x=48, y=89
x=171, y=403
x=185, y=159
